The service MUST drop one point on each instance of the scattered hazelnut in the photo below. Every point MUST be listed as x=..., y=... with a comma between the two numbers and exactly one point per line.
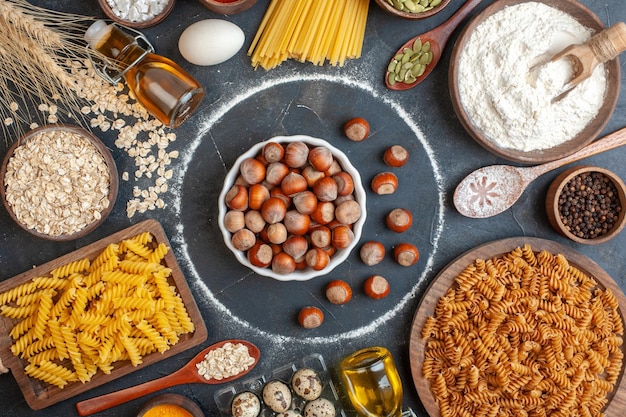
x=338, y=292
x=399, y=220
x=357, y=129
x=406, y=254
x=385, y=183
x=376, y=287
x=372, y=253
x=395, y=156
x=310, y=317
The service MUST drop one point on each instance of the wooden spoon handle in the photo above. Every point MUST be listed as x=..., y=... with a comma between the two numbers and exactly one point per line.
x=104, y=402
x=609, y=43
x=449, y=25
x=610, y=141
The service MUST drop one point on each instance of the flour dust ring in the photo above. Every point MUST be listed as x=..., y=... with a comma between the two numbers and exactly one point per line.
x=316, y=106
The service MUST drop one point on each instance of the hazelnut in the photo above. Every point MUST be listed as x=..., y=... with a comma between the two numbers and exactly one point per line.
x=376, y=287
x=252, y=170
x=276, y=172
x=399, y=220
x=237, y=198
x=385, y=183
x=342, y=236
x=297, y=223
x=395, y=156
x=243, y=239
x=324, y=213
x=372, y=253
x=296, y=154
x=338, y=292
x=321, y=158
x=296, y=246
x=320, y=237
x=273, y=152
x=257, y=194
x=317, y=259
x=325, y=189
x=293, y=184
x=273, y=210
x=312, y=175
x=276, y=233
x=234, y=220
x=283, y=264
x=254, y=221
x=345, y=183
x=260, y=255
x=348, y=212
x=305, y=202
x=310, y=317
x=357, y=129
x=406, y=254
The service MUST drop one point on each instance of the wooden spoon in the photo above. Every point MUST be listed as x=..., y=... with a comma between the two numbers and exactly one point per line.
x=437, y=38
x=186, y=375
x=493, y=189
x=585, y=57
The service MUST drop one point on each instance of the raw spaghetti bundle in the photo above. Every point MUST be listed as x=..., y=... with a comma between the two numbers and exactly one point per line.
x=310, y=30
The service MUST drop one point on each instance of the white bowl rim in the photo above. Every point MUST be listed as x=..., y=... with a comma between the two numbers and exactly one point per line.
x=340, y=255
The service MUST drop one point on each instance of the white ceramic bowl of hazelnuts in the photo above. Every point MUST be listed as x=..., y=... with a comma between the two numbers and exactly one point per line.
x=292, y=208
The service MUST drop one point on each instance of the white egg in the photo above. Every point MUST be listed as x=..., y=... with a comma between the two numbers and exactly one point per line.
x=210, y=41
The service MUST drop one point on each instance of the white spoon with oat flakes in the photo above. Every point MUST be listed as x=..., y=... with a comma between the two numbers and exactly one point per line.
x=188, y=374
x=493, y=189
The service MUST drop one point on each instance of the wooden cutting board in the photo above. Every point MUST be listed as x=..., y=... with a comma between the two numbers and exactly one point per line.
x=445, y=279
x=38, y=394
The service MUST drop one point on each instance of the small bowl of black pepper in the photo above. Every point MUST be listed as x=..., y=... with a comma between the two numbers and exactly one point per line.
x=587, y=204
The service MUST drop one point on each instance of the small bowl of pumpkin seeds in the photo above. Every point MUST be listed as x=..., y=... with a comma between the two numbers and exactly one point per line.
x=413, y=9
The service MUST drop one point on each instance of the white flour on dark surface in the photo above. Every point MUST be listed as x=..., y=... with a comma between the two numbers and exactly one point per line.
x=199, y=286
x=512, y=105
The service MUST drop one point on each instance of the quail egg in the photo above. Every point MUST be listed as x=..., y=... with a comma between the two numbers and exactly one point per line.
x=307, y=384
x=319, y=408
x=246, y=404
x=277, y=396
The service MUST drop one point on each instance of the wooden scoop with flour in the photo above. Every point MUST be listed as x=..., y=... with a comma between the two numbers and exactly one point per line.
x=584, y=58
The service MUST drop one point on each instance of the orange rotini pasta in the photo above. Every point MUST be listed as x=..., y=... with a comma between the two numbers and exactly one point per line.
x=524, y=333
x=85, y=316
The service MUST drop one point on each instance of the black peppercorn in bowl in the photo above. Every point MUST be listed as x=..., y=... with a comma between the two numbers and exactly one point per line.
x=587, y=204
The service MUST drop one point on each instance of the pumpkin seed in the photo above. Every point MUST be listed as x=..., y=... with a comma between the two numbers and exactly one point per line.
x=417, y=45
x=391, y=78
x=392, y=66
x=413, y=6
x=426, y=46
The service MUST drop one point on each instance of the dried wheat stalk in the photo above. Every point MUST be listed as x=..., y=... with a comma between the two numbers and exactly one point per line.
x=37, y=47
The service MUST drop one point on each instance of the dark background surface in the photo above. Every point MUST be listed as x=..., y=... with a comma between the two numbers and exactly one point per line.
x=243, y=106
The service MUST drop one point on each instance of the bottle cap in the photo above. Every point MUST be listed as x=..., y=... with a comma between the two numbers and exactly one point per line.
x=96, y=32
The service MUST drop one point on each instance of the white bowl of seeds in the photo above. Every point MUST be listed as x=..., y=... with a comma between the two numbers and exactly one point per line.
x=59, y=182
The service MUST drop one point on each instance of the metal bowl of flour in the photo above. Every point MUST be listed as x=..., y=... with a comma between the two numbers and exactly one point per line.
x=549, y=149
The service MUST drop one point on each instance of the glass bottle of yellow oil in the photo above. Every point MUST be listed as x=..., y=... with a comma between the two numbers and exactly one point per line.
x=166, y=90
x=372, y=382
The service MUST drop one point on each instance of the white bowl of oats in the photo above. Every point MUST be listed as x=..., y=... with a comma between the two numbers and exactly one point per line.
x=59, y=182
